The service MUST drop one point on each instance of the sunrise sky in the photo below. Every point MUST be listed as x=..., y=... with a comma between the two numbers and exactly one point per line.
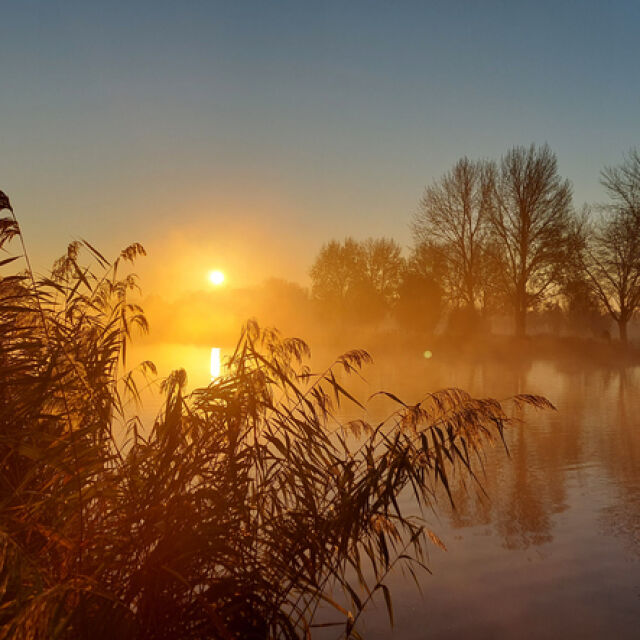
x=240, y=136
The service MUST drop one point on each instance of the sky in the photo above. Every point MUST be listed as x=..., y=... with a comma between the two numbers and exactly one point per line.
x=244, y=135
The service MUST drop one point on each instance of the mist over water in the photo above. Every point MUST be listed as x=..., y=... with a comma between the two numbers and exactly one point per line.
x=555, y=543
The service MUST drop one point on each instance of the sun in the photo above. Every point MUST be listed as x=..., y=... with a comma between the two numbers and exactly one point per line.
x=216, y=277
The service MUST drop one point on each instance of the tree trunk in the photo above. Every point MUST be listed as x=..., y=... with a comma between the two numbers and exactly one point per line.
x=622, y=327
x=520, y=322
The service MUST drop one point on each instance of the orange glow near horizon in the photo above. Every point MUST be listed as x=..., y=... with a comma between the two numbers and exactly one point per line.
x=216, y=277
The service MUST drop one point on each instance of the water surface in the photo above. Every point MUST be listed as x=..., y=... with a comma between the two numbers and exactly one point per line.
x=555, y=549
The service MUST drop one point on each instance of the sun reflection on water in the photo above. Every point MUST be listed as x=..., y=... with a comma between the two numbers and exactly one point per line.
x=215, y=363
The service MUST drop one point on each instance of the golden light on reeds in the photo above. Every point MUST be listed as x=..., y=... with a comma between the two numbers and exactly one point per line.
x=216, y=277
x=215, y=363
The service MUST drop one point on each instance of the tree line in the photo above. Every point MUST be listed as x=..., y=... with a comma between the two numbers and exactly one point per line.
x=494, y=237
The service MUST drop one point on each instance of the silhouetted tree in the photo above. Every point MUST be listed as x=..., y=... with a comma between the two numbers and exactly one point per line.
x=427, y=260
x=531, y=222
x=582, y=307
x=419, y=304
x=357, y=279
x=335, y=270
x=423, y=289
x=610, y=257
x=453, y=218
x=612, y=265
x=623, y=185
x=383, y=264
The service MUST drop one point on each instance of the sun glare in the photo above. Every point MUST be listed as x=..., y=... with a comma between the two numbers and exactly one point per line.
x=215, y=363
x=216, y=278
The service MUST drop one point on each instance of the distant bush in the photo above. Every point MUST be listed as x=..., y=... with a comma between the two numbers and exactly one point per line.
x=465, y=322
x=419, y=304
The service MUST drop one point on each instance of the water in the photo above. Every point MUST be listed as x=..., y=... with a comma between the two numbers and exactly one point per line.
x=555, y=550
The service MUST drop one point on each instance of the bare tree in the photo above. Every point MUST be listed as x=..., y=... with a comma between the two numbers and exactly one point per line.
x=357, y=279
x=612, y=263
x=383, y=263
x=452, y=218
x=419, y=304
x=532, y=225
x=623, y=185
x=583, y=308
x=612, y=252
x=335, y=270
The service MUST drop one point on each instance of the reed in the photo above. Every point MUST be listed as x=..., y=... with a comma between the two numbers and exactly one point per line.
x=237, y=512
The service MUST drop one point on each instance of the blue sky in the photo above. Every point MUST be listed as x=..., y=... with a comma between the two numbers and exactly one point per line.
x=246, y=134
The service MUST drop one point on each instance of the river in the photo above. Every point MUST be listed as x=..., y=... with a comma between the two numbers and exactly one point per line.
x=554, y=551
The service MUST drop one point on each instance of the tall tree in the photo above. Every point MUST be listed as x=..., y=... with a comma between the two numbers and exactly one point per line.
x=612, y=263
x=357, y=279
x=612, y=252
x=532, y=225
x=383, y=265
x=453, y=218
x=622, y=183
x=419, y=303
x=336, y=269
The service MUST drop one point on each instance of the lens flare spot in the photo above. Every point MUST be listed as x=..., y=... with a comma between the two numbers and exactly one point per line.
x=427, y=354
